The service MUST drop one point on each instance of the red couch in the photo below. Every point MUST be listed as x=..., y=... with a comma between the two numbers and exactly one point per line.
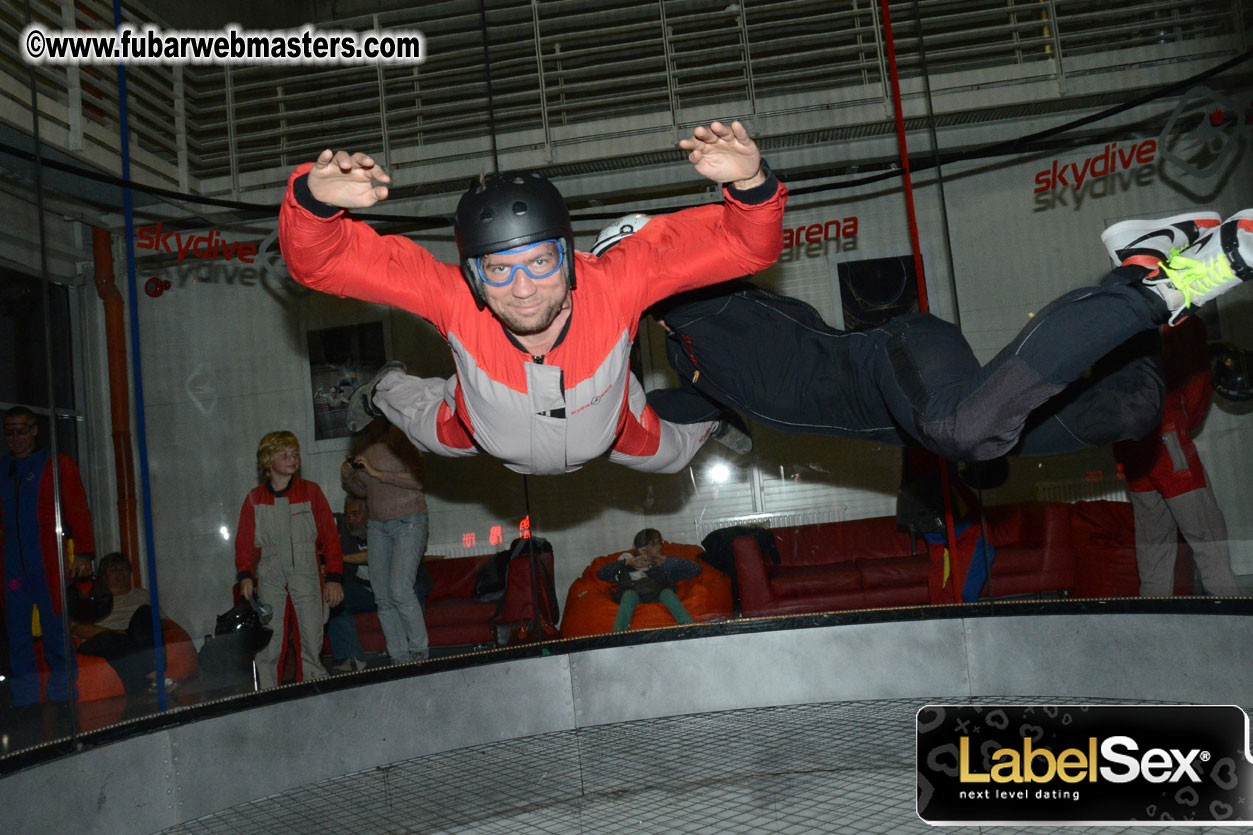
x=454, y=617
x=869, y=563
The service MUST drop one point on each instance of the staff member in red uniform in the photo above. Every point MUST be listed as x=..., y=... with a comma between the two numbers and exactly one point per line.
x=1169, y=492
x=31, y=578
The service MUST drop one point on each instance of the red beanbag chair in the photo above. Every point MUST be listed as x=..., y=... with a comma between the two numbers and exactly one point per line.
x=590, y=609
x=97, y=680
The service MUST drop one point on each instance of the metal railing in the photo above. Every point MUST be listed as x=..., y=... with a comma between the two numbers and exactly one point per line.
x=569, y=71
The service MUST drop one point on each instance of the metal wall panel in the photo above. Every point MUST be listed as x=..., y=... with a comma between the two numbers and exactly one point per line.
x=152, y=782
x=800, y=666
x=126, y=787
x=1198, y=658
x=228, y=760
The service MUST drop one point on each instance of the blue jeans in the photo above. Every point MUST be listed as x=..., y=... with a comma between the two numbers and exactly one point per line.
x=396, y=549
x=341, y=629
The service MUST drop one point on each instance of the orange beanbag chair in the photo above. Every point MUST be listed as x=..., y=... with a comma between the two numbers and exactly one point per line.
x=590, y=609
x=97, y=679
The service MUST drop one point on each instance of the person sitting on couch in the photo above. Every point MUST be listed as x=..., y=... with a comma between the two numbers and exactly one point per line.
x=645, y=575
x=124, y=637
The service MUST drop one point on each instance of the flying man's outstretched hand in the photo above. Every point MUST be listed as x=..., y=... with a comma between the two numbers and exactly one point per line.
x=725, y=155
x=347, y=180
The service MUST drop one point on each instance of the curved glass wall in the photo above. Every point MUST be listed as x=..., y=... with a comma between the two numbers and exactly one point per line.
x=172, y=342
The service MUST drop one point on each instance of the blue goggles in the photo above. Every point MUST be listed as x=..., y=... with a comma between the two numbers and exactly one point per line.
x=561, y=258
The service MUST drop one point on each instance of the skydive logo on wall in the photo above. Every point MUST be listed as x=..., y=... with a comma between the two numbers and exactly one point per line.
x=1111, y=160
x=234, y=265
x=1088, y=764
x=1115, y=169
x=181, y=244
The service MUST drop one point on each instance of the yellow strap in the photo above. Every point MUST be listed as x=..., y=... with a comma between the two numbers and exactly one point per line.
x=36, y=629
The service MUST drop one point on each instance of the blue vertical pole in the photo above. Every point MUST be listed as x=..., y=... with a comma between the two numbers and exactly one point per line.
x=140, y=422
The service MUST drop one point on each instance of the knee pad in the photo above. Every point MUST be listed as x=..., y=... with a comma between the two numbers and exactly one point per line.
x=955, y=439
x=936, y=370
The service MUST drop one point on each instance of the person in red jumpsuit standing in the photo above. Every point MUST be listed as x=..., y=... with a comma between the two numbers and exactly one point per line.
x=1169, y=491
x=31, y=579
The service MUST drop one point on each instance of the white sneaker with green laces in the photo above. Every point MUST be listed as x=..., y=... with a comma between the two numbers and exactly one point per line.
x=1145, y=243
x=1206, y=269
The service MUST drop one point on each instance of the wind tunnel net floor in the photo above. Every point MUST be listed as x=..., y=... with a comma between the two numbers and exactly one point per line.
x=846, y=767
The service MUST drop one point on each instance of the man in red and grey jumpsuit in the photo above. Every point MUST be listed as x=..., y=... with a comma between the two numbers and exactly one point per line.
x=1169, y=491
x=543, y=379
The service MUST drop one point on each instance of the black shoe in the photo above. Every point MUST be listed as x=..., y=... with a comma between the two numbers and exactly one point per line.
x=361, y=409
x=733, y=434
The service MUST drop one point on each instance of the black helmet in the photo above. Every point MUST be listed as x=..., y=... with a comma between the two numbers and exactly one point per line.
x=244, y=625
x=508, y=210
x=1231, y=372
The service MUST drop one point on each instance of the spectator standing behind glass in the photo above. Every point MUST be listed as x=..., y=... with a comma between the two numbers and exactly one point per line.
x=1170, y=494
x=31, y=578
x=387, y=473
x=646, y=575
x=284, y=524
x=347, y=654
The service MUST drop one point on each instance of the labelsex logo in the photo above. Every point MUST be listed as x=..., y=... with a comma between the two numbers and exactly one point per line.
x=1073, y=765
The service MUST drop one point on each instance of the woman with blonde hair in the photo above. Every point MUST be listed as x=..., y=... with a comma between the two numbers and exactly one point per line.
x=284, y=524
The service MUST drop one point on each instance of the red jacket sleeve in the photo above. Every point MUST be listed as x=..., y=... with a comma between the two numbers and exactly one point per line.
x=346, y=257
x=76, y=514
x=328, y=536
x=695, y=248
x=246, y=550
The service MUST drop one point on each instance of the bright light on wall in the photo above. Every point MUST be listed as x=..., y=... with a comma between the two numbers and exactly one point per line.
x=225, y=533
x=719, y=473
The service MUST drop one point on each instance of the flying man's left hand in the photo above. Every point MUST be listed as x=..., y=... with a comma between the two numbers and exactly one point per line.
x=725, y=155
